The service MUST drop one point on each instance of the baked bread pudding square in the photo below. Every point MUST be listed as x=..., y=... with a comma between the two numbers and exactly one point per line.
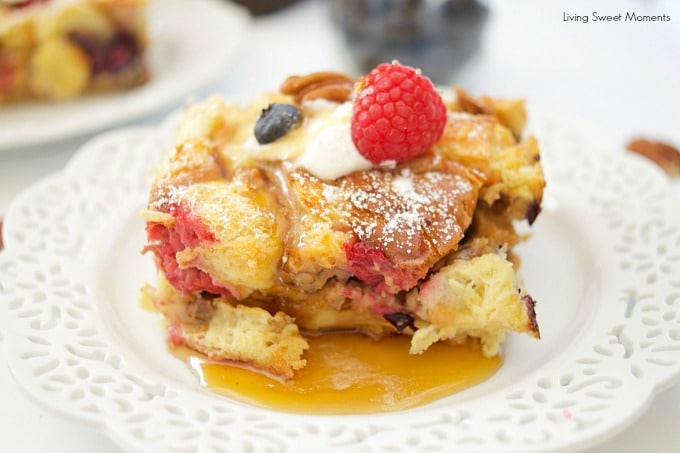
x=381, y=205
x=61, y=49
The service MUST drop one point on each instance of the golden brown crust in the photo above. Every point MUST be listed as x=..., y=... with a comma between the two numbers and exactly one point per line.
x=509, y=112
x=511, y=171
x=416, y=214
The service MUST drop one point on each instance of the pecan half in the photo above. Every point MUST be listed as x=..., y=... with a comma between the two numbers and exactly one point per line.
x=662, y=154
x=332, y=86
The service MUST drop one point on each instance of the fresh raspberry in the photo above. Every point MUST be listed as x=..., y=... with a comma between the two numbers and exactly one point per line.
x=398, y=114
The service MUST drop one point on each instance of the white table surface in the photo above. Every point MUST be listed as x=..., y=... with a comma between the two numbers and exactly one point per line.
x=609, y=81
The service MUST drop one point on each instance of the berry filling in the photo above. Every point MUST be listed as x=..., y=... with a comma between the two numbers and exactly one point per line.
x=7, y=76
x=371, y=266
x=108, y=55
x=25, y=4
x=401, y=321
x=175, y=334
x=188, y=231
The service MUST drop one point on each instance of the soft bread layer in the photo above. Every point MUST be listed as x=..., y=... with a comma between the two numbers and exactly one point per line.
x=251, y=335
x=223, y=330
x=247, y=246
x=478, y=298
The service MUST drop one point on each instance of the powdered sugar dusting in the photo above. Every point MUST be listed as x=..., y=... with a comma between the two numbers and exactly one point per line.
x=164, y=196
x=403, y=186
x=406, y=213
x=330, y=194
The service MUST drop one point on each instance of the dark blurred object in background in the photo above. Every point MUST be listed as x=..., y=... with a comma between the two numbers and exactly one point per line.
x=437, y=36
x=259, y=7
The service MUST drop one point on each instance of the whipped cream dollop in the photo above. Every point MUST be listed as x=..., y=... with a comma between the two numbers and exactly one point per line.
x=330, y=153
x=323, y=145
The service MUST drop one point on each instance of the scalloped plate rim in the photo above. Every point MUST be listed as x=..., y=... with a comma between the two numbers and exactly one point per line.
x=580, y=439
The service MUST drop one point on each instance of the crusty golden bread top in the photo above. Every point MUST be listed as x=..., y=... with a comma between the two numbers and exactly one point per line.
x=276, y=224
x=267, y=220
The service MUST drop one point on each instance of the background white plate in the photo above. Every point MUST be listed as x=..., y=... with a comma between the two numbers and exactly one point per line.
x=603, y=263
x=193, y=42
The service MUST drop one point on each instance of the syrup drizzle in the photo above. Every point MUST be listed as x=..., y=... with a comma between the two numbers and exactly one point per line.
x=351, y=374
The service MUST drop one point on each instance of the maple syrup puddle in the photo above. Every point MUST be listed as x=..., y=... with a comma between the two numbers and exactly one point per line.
x=348, y=373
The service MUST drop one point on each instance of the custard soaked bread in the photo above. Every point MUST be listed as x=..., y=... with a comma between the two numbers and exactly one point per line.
x=379, y=205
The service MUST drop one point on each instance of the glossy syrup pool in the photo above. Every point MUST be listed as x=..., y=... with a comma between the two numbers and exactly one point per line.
x=350, y=374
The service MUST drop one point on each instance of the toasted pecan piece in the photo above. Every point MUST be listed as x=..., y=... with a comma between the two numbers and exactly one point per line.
x=332, y=86
x=662, y=154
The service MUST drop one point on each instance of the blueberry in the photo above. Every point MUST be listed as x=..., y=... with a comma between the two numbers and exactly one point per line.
x=401, y=321
x=275, y=121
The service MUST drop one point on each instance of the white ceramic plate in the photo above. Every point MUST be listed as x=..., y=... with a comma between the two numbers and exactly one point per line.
x=192, y=43
x=603, y=263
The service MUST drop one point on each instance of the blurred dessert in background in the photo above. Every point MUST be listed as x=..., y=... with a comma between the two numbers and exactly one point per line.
x=61, y=49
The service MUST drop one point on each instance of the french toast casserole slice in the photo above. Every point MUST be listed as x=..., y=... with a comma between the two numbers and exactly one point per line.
x=256, y=244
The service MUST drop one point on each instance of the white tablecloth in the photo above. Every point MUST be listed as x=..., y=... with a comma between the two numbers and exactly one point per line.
x=610, y=81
